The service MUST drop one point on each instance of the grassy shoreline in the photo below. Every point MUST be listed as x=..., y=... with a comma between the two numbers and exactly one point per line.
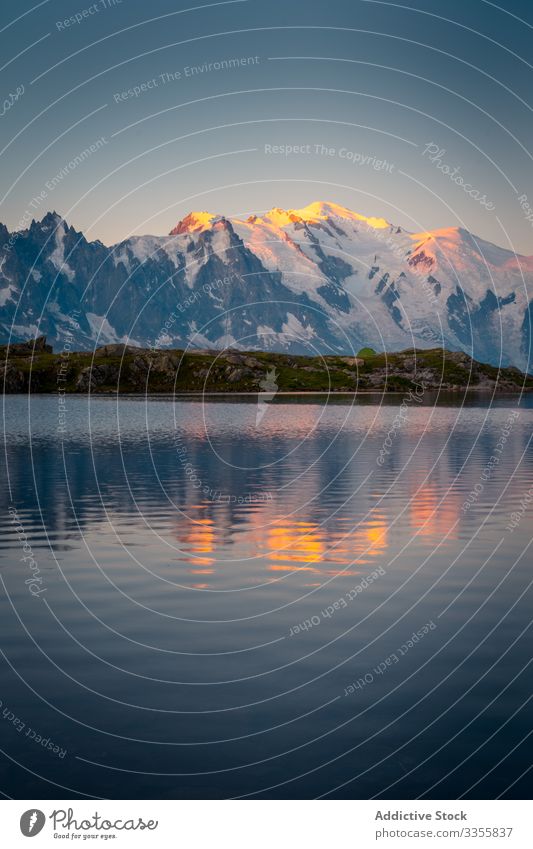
x=121, y=369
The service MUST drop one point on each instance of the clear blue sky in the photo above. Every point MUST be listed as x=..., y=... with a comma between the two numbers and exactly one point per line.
x=377, y=81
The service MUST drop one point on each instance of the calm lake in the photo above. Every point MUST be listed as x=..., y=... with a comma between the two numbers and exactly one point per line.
x=219, y=598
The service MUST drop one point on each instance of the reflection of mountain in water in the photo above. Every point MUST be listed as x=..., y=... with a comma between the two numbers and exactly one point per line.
x=168, y=641
x=261, y=493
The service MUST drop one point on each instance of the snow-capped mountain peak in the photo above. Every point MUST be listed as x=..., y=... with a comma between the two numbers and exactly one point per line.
x=321, y=278
x=315, y=213
x=194, y=222
x=323, y=210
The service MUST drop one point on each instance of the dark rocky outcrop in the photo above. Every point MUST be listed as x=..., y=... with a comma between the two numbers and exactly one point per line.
x=28, y=349
x=12, y=379
x=125, y=369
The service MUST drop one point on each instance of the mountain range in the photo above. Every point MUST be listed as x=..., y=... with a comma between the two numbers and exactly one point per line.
x=317, y=280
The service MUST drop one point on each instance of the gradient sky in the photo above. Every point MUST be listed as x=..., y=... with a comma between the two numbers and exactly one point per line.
x=379, y=79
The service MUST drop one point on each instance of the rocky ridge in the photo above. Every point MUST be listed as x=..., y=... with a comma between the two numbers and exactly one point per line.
x=119, y=368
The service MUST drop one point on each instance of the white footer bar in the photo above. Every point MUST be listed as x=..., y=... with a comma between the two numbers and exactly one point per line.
x=267, y=824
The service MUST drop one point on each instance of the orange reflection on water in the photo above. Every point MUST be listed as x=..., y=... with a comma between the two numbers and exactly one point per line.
x=200, y=540
x=298, y=545
x=375, y=534
x=429, y=515
x=290, y=545
x=303, y=542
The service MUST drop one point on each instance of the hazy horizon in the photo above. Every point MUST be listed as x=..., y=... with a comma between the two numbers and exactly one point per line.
x=195, y=107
